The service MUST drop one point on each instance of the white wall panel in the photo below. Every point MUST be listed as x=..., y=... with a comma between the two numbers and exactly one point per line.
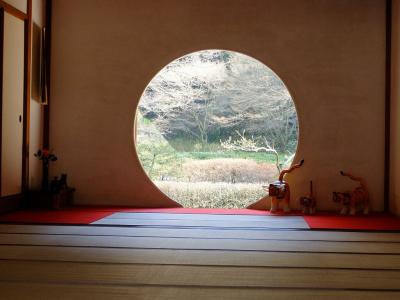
x=12, y=105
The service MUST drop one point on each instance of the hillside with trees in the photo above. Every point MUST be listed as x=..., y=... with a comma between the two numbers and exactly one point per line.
x=215, y=110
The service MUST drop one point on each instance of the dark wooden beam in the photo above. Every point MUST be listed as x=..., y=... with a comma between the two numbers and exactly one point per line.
x=387, y=103
x=27, y=98
x=1, y=81
x=13, y=11
x=46, y=118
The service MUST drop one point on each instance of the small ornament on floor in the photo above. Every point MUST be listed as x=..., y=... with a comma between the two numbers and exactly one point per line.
x=352, y=201
x=309, y=204
x=62, y=194
x=46, y=157
x=279, y=191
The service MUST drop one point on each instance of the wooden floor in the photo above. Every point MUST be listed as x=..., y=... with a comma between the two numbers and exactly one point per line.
x=165, y=256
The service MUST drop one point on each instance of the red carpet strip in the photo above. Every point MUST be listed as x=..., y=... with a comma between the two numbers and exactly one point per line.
x=376, y=222
x=54, y=216
x=84, y=215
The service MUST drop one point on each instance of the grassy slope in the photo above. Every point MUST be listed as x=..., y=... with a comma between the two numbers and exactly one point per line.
x=258, y=157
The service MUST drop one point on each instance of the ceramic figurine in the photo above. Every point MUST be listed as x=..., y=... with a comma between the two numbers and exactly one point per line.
x=279, y=191
x=308, y=204
x=351, y=201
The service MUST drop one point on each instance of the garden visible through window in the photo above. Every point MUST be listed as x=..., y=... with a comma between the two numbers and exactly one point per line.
x=213, y=127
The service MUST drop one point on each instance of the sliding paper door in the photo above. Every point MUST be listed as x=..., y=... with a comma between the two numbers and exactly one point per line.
x=12, y=99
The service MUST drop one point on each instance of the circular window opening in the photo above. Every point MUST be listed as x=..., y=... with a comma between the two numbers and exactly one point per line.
x=213, y=127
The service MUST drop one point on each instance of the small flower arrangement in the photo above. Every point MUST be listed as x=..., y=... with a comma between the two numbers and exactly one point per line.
x=45, y=156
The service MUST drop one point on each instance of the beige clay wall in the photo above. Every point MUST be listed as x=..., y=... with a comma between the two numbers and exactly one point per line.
x=395, y=111
x=330, y=54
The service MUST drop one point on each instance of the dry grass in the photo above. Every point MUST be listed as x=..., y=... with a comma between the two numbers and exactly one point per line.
x=228, y=170
x=212, y=194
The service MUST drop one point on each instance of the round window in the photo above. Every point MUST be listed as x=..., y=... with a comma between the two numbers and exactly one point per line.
x=213, y=127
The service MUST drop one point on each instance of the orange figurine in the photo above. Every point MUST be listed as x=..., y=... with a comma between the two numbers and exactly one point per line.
x=308, y=203
x=350, y=201
x=279, y=191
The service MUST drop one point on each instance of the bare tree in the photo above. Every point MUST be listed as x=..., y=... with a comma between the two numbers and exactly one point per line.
x=251, y=145
x=214, y=93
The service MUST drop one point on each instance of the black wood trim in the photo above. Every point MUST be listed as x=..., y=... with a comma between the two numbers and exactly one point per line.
x=60, y=245
x=46, y=117
x=197, y=238
x=27, y=98
x=1, y=81
x=186, y=264
x=387, y=104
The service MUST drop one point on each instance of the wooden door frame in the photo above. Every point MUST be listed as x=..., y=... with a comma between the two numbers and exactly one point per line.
x=1, y=82
x=27, y=97
x=388, y=100
x=10, y=201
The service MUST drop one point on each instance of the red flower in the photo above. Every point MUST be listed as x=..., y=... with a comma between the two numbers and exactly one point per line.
x=45, y=153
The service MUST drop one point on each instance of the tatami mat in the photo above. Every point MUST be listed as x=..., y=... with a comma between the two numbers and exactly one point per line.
x=200, y=220
x=196, y=262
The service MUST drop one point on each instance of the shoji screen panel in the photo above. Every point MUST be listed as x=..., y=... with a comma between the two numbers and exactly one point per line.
x=12, y=100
